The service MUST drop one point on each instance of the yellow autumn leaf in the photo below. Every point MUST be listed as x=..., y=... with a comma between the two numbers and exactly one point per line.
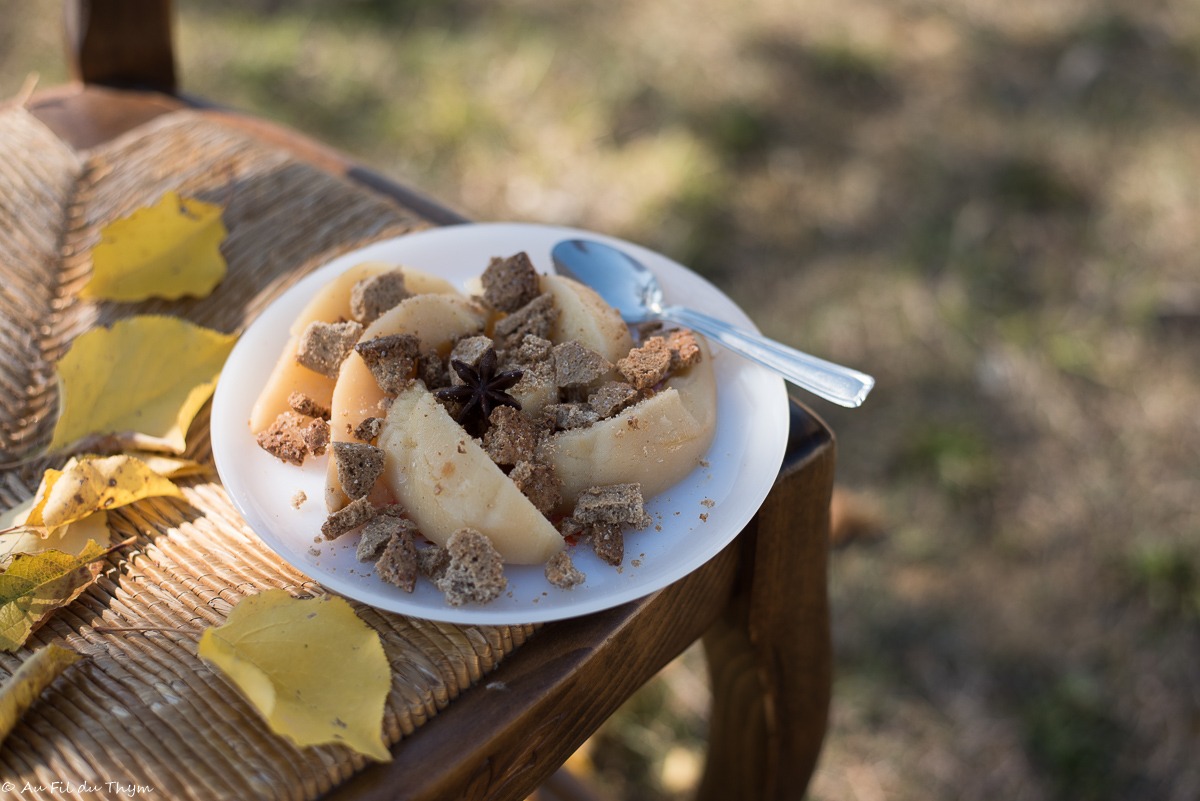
x=34, y=585
x=29, y=681
x=143, y=380
x=314, y=671
x=72, y=538
x=171, y=466
x=167, y=250
x=92, y=484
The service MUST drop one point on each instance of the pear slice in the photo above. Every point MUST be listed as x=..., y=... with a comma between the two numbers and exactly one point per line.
x=585, y=317
x=437, y=320
x=330, y=304
x=655, y=442
x=446, y=481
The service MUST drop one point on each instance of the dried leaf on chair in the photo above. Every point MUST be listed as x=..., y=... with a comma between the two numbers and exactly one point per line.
x=314, y=670
x=142, y=381
x=34, y=585
x=29, y=681
x=168, y=250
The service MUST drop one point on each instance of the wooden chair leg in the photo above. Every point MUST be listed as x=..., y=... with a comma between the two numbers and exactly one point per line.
x=770, y=662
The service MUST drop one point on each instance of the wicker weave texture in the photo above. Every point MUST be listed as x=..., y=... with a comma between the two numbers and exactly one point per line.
x=143, y=709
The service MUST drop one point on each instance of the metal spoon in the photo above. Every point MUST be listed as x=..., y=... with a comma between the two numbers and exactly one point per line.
x=632, y=290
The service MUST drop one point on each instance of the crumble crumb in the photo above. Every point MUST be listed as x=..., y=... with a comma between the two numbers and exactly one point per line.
x=577, y=366
x=539, y=483
x=537, y=317
x=433, y=561
x=308, y=406
x=611, y=397
x=646, y=365
x=359, y=465
x=284, y=438
x=351, y=517
x=685, y=351
x=468, y=351
x=316, y=436
x=616, y=504
x=562, y=573
x=571, y=415
x=508, y=284
x=299, y=498
x=368, y=430
x=323, y=346
x=372, y=296
x=398, y=562
x=476, y=569
x=511, y=436
x=530, y=350
x=392, y=360
x=378, y=531
x=608, y=541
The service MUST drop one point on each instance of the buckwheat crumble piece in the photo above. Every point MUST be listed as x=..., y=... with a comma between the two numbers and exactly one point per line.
x=323, y=346
x=359, y=465
x=307, y=406
x=537, y=317
x=685, y=350
x=576, y=365
x=432, y=561
x=647, y=364
x=510, y=436
x=530, y=350
x=432, y=370
x=611, y=397
x=351, y=517
x=572, y=415
x=615, y=504
x=562, y=573
x=376, y=533
x=508, y=284
x=284, y=438
x=368, y=429
x=392, y=360
x=608, y=541
x=475, y=572
x=372, y=296
x=398, y=562
x=539, y=483
x=468, y=351
x=316, y=436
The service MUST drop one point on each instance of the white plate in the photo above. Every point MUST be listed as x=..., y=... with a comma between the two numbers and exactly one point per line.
x=693, y=520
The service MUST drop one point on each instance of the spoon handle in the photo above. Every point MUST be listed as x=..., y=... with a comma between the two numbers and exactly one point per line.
x=833, y=382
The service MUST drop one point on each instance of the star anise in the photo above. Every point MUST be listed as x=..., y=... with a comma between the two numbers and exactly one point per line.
x=482, y=390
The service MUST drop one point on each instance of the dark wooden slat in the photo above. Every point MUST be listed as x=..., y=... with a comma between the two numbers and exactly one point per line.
x=124, y=43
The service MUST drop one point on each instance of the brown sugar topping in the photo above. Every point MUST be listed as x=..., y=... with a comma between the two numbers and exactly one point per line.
x=392, y=359
x=372, y=296
x=475, y=572
x=646, y=365
x=577, y=366
x=359, y=465
x=508, y=284
x=323, y=346
x=562, y=573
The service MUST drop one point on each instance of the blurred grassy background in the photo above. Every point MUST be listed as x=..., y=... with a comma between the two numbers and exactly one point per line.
x=992, y=207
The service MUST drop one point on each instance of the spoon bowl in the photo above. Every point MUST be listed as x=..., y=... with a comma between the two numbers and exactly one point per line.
x=629, y=287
